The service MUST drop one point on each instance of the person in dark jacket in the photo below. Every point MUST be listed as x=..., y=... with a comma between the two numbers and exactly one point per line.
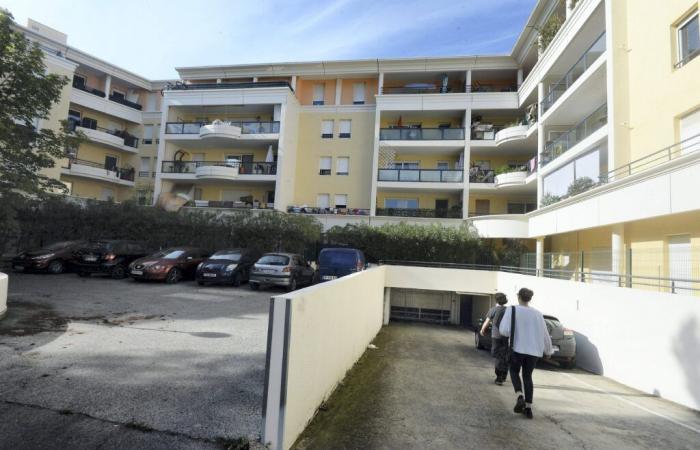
x=499, y=344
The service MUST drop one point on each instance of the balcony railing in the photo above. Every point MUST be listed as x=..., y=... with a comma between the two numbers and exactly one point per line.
x=247, y=127
x=245, y=85
x=86, y=122
x=125, y=102
x=488, y=87
x=477, y=175
x=485, y=132
x=91, y=90
x=421, y=175
x=451, y=213
x=244, y=168
x=123, y=173
x=421, y=134
x=421, y=88
x=574, y=73
x=589, y=125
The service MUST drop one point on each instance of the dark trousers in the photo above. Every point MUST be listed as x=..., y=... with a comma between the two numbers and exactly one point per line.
x=499, y=350
x=527, y=363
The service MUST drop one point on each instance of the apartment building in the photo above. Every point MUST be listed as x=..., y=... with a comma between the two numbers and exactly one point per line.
x=582, y=141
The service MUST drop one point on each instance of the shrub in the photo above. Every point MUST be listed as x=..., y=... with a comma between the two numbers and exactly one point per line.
x=549, y=199
x=549, y=30
x=580, y=185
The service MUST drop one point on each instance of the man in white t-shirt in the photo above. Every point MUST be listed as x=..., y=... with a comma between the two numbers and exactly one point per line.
x=530, y=341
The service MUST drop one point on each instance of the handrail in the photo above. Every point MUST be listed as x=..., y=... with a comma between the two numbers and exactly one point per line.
x=569, y=78
x=247, y=127
x=123, y=173
x=244, y=168
x=492, y=87
x=486, y=135
x=88, y=89
x=448, y=213
x=574, y=135
x=125, y=102
x=435, y=89
x=478, y=175
x=687, y=59
x=91, y=124
x=420, y=134
x=421, y=175
x=179, y=86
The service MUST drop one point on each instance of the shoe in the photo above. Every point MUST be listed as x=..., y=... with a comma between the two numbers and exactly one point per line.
x=528, y=413
x=499, y=382
x=519, y=405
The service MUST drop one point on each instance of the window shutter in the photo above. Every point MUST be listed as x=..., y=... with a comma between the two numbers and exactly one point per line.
x=341, y=200
x=343, y=165
x=323, y=200
x=358, y=93
x=319, y=94
x=327, y=129
x=325, y=165
x=345, y=128
x=145, y=163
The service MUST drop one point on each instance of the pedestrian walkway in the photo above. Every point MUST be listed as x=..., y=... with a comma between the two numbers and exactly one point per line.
x=427, y=387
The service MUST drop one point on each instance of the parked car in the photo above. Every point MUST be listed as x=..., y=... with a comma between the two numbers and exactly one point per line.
x=227, y=267
x=281, y=269
x=54, y=258
x=338, y=262
x=111, y=257
x=563, y=341
x=170, y=265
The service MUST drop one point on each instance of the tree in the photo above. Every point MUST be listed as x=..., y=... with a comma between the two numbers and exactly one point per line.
x=27, y=93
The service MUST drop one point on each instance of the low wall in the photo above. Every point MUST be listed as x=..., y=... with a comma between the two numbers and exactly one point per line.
x=315, y=336
x=3, y=294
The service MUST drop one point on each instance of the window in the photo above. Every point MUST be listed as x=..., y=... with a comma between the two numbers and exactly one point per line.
x=345, y=126
x=148, y=134
x=151, y=103
x=119, y=95
x=688, y=40
x=319, y=94
x=87, y=122
x=358, y=93
x=79, y=81
x=341, y=200
x=145, y=166
x=407, y=165
x=520, y=207
x=142, y=197
x=342, y=166
x=197, y=193
x=401, y=203
x=74, y=118
x=690, y=132
x=483, y=164
x=111, y=162
x=324, y=165
x=326, y=129
x=443, y=165
x=323, y=200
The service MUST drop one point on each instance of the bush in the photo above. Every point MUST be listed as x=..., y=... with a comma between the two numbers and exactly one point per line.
x=404, y=242
x=580, y=185
x=549, y=199
x=39, y=223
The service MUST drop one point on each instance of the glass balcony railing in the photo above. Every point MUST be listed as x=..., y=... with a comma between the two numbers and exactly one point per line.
x=447, y=213
x=244, y=167
x=421, y=134
x=592, y=123
x=247, y=127
x=557, y=89
x=421, y=175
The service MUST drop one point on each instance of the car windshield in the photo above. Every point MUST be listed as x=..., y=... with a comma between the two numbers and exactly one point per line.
x=338, y=258
x=59, y=245
x=169, y=254
x=226, y=255
x=552, y=323
x=274, y=260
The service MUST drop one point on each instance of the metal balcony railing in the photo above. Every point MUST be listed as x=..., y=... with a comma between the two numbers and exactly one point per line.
x=449, y=213
x=244, y=168
x=421, y=88
x=492, y=87
x=593, y=122
x=86, y=122
x=557, y=89
x=247, y=127
x=421, y=134
x=123, y=173
x=89, y=89
x=421, y=175
x=485, y=132
x=477, y=175
x=125, y=102
x=245, y=85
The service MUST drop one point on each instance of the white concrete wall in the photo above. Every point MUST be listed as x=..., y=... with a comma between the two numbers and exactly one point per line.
x=329, y=328
x=3, y=294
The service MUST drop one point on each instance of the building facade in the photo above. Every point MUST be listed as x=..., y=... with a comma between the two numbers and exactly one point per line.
x=583, y=140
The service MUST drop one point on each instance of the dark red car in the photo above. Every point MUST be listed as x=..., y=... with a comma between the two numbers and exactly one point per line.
x=170, y=265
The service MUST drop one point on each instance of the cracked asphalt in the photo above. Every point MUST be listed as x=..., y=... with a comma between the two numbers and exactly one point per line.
x=113, y=364
x=427, y=387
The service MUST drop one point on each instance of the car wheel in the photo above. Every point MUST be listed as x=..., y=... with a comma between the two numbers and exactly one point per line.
x=118, y=272
x=254, y=286
x=174, y=276
x=83, y=274
x=236, y=280
x=201, y=283
x=568, y=364
x=56, y=266
x=292, y=285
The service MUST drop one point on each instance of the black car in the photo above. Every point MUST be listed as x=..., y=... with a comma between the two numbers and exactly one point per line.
x=111, y=257
x=53, y=258
x=227, y=267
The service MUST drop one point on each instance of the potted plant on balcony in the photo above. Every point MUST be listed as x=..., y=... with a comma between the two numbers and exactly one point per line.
x=580, y=185
x=549, y=199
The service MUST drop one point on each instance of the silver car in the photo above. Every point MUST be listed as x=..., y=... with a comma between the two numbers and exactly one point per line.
x=281, y=269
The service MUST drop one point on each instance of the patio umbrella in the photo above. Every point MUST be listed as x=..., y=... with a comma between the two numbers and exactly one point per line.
x=270, y=157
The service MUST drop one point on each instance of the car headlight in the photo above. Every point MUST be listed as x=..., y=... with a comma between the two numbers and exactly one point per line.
x=231, y=267
x=158, y=267
x=46, y=256
x=199, y=266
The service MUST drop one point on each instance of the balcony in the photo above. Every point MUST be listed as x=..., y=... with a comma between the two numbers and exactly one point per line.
x=247, y=85
x=450, y=213
x=420, y=88
x=99, y=171
x=421, y=175
x=122, y=101
x=593, y=122
x=512, y=133
x=421, y=134
x=219, y=170
x=78, y=84
x=222, y=131
x=119, y=139
x=557, y=89
x=481, y=176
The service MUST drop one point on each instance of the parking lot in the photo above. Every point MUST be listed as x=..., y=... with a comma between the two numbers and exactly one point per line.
x=102, y=363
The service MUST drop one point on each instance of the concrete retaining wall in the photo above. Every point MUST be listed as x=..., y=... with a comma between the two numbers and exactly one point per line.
x=3, y=294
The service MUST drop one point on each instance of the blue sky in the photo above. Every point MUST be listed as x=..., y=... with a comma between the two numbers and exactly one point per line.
x=152, y=37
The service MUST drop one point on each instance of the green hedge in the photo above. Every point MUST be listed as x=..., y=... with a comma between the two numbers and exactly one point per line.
x=34, y=223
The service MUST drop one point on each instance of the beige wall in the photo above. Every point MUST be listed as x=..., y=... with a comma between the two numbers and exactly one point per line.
x=216, y=191
x=59, y=112
x=92, y=189
x=498, y=203
x=346, y=96
x=305, y=91
x=426, y=199
x=357, y=185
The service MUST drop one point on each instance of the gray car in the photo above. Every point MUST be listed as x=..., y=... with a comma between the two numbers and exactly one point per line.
x=281, y=269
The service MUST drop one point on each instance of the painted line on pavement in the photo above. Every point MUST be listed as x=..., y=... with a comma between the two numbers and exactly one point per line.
x=629, y=402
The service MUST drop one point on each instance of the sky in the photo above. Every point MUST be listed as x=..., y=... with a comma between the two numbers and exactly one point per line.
x=153, y=37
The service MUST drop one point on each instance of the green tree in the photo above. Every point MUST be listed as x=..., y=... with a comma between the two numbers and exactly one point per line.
x=27, y=93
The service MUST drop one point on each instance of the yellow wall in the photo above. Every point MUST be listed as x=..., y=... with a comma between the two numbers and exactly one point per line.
x=425, y=122
x=216, y=154
x=346, y=95
x=425, y=199
x=311, y=148
x=305, y=91
x=650, y=94
x=428, y=161
x=215, y=191
x=498, y=203
x=87, y=188
x=59, y=112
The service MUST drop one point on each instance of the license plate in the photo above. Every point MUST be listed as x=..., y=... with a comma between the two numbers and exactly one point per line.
x=90, y=258
x=555, y=348
x=329, y=277
x=137, y=272
x=18, y=267
x=210, y=275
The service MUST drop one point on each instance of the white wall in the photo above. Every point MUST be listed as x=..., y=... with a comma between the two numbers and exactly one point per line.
x=3, y=294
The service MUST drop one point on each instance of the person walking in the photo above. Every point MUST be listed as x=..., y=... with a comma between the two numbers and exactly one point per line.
x=529, y=340
x=499, y=344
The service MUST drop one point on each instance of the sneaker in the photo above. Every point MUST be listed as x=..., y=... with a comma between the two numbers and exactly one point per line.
x=499, y=382
x=519, y=405
x=528, y=413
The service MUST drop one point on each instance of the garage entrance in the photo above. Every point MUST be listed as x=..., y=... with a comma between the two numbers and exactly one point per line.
x=440, y=307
